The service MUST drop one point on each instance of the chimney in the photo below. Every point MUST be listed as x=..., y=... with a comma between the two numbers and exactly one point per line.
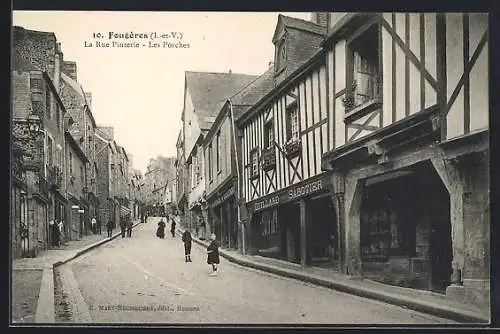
x=88, y=97
x=69, y=69
x=230, y=71
x=270, y=64
x=320, y=18
x=57, y=65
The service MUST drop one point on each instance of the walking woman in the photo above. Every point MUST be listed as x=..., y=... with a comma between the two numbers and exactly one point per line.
x=186, y=238
x=172, y=228
x=213, y=255
x=160, y=232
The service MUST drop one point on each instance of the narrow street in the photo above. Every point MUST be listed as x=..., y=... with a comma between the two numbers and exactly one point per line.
x=144, y=279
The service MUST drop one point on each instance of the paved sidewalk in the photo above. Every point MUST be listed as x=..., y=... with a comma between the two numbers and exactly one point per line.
x=419, y=300
x=47, y=260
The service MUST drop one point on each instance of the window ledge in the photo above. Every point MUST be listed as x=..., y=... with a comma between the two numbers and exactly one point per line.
x=253, y=177
x=362, y=109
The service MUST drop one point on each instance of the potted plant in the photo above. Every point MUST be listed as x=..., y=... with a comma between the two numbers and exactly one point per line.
x=349, y=100
x=268, y=159
x=292, y=147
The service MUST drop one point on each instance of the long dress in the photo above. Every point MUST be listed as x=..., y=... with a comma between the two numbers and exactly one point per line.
x=160, y=232
x=213, y=256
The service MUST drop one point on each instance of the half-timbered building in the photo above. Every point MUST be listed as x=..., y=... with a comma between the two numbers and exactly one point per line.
x=407, y=141
x=221, y=149
x=284, y=135
x=202, y=93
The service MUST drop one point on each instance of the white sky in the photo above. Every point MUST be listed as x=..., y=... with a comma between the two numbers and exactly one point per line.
x=140, y=91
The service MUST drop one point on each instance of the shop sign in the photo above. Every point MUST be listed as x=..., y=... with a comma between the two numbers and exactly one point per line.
x=266, y=203
x=293, y=193
x=304, y=190
x=221, y=199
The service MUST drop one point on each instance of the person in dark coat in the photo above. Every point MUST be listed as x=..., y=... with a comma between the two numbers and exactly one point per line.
x=160, y=232
x=123, y=227
x=172, y=228
x=109, y=227
x=213, y=255
x=186, y=238
x=129, y=226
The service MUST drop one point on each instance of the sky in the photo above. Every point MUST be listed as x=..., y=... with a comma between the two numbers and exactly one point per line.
x=140, y=91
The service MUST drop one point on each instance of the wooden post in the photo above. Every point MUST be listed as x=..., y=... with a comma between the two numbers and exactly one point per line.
x=303, y=233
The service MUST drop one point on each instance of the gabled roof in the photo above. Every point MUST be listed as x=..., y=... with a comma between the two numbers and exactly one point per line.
x=75, y=147
x=77, y=87
x=246, y=97
x=73, y=84
x=179, y=138
x=207, y=89
x=253, y=92
x=300, y=24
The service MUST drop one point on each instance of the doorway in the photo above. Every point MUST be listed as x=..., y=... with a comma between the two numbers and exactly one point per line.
x=322, y=236
x=289, y=214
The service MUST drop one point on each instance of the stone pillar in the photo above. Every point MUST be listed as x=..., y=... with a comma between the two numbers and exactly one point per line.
x=303, y=233
x=453, y=182
x=467, y=180
x=353, y=198
x=476, y=220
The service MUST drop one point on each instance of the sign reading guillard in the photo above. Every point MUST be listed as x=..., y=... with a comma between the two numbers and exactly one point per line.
x=291, y=194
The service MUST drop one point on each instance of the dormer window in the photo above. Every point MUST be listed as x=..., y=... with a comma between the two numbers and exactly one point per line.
x=281, y=55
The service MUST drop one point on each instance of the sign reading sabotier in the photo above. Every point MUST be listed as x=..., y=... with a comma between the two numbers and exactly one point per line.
x=292, y=193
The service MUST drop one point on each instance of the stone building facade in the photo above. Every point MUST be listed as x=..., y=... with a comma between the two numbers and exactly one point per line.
x=76, y=163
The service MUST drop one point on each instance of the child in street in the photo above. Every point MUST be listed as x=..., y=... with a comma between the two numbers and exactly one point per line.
x=213, y=255
x=186, y=238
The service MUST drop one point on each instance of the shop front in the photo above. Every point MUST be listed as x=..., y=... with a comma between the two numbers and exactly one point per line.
x=296, y=224
x=222, y=216
x=75, y=227
x=405, y=232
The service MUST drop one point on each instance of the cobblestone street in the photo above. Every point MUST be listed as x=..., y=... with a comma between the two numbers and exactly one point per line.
x=144, y=279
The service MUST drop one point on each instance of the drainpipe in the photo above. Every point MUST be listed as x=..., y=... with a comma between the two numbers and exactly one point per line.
x=238, y=195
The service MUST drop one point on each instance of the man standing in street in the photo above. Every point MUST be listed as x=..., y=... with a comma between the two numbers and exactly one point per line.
x=172, y=228
x=186, y=238
x=123, y=227
x=109, y=227
x=129, y=226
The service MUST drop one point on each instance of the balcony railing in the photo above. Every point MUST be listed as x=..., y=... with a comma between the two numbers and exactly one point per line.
x=55, y=177
x=268, y=158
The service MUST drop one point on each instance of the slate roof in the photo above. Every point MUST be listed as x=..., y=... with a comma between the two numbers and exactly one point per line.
x=300, y=24
x=253, y=92
x=73, y=84
x=207, y=89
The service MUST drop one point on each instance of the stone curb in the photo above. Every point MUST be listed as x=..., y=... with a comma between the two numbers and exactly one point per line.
x=45, y=309
x=394, y=299
x=90, y=247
